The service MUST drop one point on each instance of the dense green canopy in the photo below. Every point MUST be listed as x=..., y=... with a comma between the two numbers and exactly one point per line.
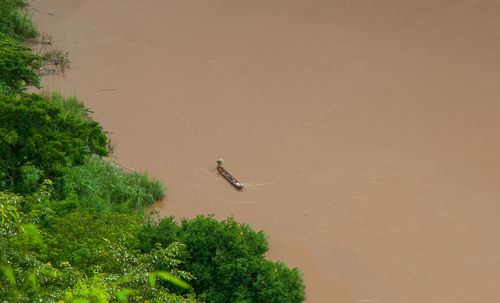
x=228, y=260
x=36, y=139
x=18, y=67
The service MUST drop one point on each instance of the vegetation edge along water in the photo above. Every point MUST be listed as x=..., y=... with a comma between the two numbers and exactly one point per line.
x=73, y=226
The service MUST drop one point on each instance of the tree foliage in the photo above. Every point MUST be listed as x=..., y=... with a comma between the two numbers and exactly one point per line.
x=102, y=240
x=18, y=67
x=82, y=256
x=228, y=261
x=36, y=140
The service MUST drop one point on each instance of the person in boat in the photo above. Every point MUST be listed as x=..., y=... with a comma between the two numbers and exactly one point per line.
x=219, y=162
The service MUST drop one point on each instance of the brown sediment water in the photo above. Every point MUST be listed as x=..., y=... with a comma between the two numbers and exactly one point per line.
x=366, y=133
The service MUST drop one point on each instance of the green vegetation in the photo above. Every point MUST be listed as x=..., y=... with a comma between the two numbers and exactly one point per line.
x=37, y=141
x=14, y=20
x=72, y=225
x=68, y=105
x=18, y=67
x=228, y=260
x=82, y=256
x=100, y=185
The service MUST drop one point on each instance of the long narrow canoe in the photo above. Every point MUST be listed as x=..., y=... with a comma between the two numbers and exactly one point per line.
x=228, y=176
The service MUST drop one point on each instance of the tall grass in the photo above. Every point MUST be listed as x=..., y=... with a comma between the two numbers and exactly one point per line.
x=151, y=184
x=69, y=105
x=98, y=183
x=15, y=22
x=101, y=185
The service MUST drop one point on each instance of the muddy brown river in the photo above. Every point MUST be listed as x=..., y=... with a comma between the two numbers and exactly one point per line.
x=366, y=133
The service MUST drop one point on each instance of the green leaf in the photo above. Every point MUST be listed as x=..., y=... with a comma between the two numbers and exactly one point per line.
x=123, y=294
x=30, y=280
x=32, y=232
x=167, y=277
x=8, y=273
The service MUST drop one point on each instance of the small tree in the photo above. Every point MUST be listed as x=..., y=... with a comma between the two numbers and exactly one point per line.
x=36, y=140
x=18, y=67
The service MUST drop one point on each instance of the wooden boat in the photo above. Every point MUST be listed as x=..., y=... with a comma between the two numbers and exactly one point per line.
x=228, y=176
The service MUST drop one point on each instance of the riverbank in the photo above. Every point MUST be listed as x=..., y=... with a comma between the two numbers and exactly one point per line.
x=364, y=132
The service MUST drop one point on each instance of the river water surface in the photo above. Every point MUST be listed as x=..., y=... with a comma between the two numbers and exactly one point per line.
x=366, y=133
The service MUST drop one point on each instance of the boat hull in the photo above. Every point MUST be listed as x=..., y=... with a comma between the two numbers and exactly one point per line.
x=229, y=177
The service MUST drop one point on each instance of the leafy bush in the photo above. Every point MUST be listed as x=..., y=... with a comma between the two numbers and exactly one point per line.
x=18, y=67
x=87, y=239
x=227, y=259
x=34, y=133
x=90, y=257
